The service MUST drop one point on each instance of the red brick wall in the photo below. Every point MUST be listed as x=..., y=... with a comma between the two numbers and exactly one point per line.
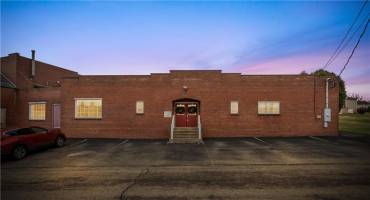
x=50, y=95
x=44, y=73
x=214, y=90
x=18, y=70
x=8, y=101
x=9, y=66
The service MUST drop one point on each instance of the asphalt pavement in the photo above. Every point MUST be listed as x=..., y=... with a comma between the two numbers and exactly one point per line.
x=326, y=168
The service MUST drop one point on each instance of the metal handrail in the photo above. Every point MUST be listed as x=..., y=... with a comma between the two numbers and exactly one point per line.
x=172, y=127
x=199, y=128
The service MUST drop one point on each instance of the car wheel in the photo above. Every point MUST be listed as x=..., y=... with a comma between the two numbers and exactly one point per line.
x=59, y=141
x=19, y=152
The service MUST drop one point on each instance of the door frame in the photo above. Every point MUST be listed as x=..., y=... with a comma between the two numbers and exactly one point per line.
x=52, y=114
x=185, y=101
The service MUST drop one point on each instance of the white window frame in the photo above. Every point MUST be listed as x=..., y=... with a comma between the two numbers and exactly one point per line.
x=76, y=111
x=30, y=110
x=234, y=107
x=139, y=107
x=268, y=113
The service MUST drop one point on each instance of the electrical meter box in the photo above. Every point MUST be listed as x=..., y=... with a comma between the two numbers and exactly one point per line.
x=327, y=114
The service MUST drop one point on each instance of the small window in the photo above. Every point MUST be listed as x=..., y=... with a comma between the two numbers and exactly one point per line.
x=37, y=110
x=268, y=107
x=88, y=108
x=140, y=107
x=192, y=109
x=180, y=109
x=234, y=107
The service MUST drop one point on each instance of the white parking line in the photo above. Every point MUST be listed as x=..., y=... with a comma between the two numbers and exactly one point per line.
x=115, y=146
x=319, y=139
x=79, y=142
x=261, y=140
x=81, y=153
x=123, y=142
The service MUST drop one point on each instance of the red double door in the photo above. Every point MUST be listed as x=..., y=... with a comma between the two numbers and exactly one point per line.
x=186, y=114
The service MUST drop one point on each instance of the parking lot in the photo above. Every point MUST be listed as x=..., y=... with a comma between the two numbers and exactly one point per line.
x=239, y=168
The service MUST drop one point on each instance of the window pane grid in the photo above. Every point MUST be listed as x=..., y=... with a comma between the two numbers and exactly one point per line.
x=139, y=107
x=37, y=111
x=268, y=107
x=234, y=107
x=88, y=108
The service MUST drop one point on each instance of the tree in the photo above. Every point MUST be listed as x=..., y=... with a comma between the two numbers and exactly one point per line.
x=303, y=73
x=356, y=96
x=342, y=88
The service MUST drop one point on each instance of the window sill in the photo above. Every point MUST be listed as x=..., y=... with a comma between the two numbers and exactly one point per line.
x=36, y=120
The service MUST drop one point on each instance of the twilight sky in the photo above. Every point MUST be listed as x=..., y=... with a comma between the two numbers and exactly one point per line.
x=117, y=37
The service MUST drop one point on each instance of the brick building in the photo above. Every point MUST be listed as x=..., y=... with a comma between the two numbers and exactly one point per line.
x=37, y=90
x=179, y=105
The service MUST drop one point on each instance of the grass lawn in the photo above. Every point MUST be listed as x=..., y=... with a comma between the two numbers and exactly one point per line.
x=355, y=123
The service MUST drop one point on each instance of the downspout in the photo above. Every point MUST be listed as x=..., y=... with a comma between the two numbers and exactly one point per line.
x=314, y=96
x=327, y=93
x=172, y=128
x=199, y=129
x=327, y=111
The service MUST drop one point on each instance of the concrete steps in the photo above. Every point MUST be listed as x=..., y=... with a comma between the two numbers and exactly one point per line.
x=186, y=135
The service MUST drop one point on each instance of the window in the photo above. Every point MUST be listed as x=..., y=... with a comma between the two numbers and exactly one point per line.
x=234, y=107
x=12, y=132
x=268, y=107
x=180, y=109
x=24, y=131
x=39, y=130
x=140, y=107
x=86, y=108
x=192, y=109
x=37, y=110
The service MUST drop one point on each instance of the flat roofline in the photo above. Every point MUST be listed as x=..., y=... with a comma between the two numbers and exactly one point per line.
x=176, y=71
x=277, y=75
x=195, y=70
x=167, y=74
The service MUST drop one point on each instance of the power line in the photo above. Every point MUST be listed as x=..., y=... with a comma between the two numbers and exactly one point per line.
x=350, y=39
x=332, y=57
x=358, y=41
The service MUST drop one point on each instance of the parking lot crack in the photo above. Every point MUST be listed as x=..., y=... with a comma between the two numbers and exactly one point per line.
x=135, y=181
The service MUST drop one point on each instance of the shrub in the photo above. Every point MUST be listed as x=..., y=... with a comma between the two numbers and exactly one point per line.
x=342, y=88
x=361, y=110
x=368, y=109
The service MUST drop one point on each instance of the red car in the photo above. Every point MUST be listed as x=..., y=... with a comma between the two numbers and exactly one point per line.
x=19, y=142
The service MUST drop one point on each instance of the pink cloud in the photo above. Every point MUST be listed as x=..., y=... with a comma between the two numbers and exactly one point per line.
x=356, y=74
x=286, y=65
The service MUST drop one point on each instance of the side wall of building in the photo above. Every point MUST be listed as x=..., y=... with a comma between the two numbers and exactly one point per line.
x=49, y=95
x=16, y=101
x=8, y=104
x=301, y=105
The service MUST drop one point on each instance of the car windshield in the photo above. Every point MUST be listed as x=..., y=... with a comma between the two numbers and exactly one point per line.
x=11, y=133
